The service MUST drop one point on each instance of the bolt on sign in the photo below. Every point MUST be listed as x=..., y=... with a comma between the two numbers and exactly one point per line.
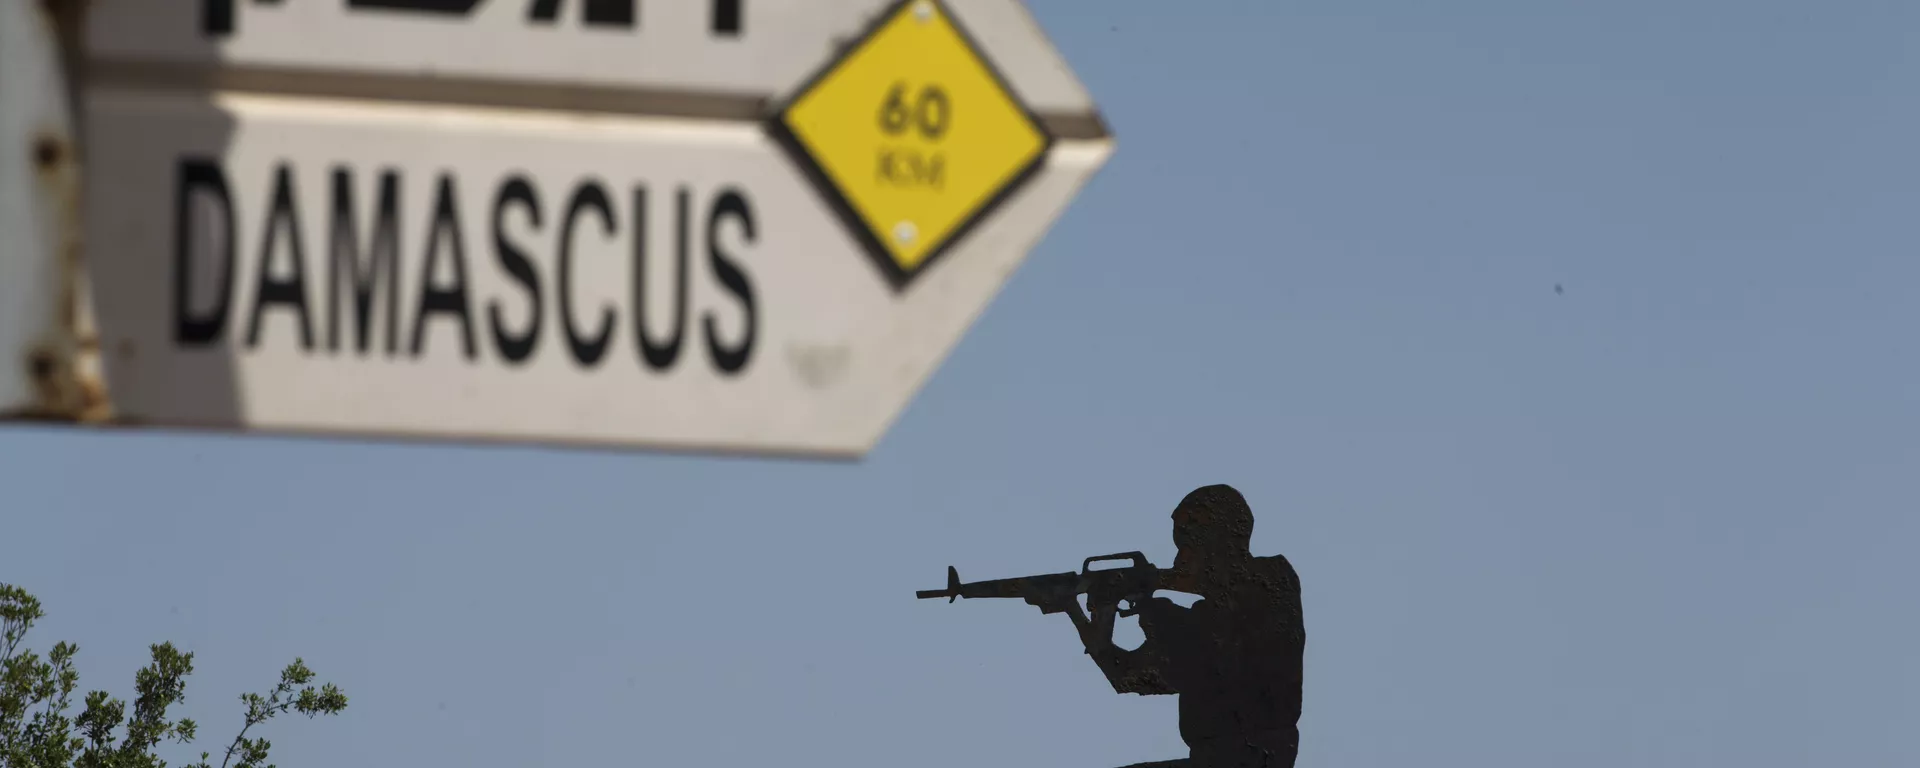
x=748, y=226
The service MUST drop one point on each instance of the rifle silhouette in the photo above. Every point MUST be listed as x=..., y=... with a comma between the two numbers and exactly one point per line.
x=1056, y=592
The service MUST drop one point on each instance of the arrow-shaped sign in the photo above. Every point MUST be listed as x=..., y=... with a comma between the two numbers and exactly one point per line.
x=396, y=222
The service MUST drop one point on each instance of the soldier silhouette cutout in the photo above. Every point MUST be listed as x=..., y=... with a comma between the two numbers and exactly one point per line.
x=1234, y=658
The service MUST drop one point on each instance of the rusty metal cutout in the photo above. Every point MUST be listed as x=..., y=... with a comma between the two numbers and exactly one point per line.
x=1234, y=658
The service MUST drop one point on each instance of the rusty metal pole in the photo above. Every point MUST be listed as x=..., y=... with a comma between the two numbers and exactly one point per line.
x=49, y=356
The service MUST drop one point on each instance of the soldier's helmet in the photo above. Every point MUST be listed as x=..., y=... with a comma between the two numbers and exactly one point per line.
x=1213, y=518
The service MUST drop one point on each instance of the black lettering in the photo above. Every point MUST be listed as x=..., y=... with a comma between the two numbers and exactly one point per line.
x=216, y=17
x=189, y=329
x=291, y=292
x=599, y=13
x=449, y=7
x=936, y=171
x=658, y=356
x=612, y=13
x=933, y=112
x=893, y=110
x=910, y=168
x=726, y=18
x=451, y=300
x=588, y=196
x=383, y=260
x=731, y=204
x=516, y=348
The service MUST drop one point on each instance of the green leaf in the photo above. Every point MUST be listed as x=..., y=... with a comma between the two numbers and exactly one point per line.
x=36, y=693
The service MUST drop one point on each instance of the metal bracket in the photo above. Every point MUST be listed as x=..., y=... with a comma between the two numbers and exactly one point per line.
x=49, y=351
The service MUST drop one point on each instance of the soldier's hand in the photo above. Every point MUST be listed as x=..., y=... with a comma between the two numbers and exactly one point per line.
x=1155, y=609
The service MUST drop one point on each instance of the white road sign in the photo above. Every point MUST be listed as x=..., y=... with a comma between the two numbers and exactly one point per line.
x=750, y=226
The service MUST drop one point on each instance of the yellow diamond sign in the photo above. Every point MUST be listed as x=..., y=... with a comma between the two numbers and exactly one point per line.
x=913, y=136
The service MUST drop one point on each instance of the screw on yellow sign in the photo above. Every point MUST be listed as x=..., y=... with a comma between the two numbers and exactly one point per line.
x=912, y=136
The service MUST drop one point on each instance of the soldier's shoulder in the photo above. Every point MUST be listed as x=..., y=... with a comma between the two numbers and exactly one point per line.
x=1278, y=567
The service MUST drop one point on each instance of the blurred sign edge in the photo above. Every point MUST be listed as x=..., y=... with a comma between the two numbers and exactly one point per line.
x=54, y=372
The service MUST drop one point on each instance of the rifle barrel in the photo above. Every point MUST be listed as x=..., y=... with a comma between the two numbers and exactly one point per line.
x=1044, y=586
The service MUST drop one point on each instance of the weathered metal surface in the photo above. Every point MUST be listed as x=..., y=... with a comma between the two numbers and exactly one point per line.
x=51, y=366
x=570, y=200
x=1234, y=657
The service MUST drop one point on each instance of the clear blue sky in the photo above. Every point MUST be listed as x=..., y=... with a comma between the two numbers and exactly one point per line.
x=1664, y=518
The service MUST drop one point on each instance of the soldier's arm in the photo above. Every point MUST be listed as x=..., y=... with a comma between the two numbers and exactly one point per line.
x=1139, y=671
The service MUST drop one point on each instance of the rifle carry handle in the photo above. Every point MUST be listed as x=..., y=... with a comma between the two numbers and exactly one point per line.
x=1139, y=560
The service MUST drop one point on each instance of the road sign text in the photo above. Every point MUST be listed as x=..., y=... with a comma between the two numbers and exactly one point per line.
x=355, y=289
